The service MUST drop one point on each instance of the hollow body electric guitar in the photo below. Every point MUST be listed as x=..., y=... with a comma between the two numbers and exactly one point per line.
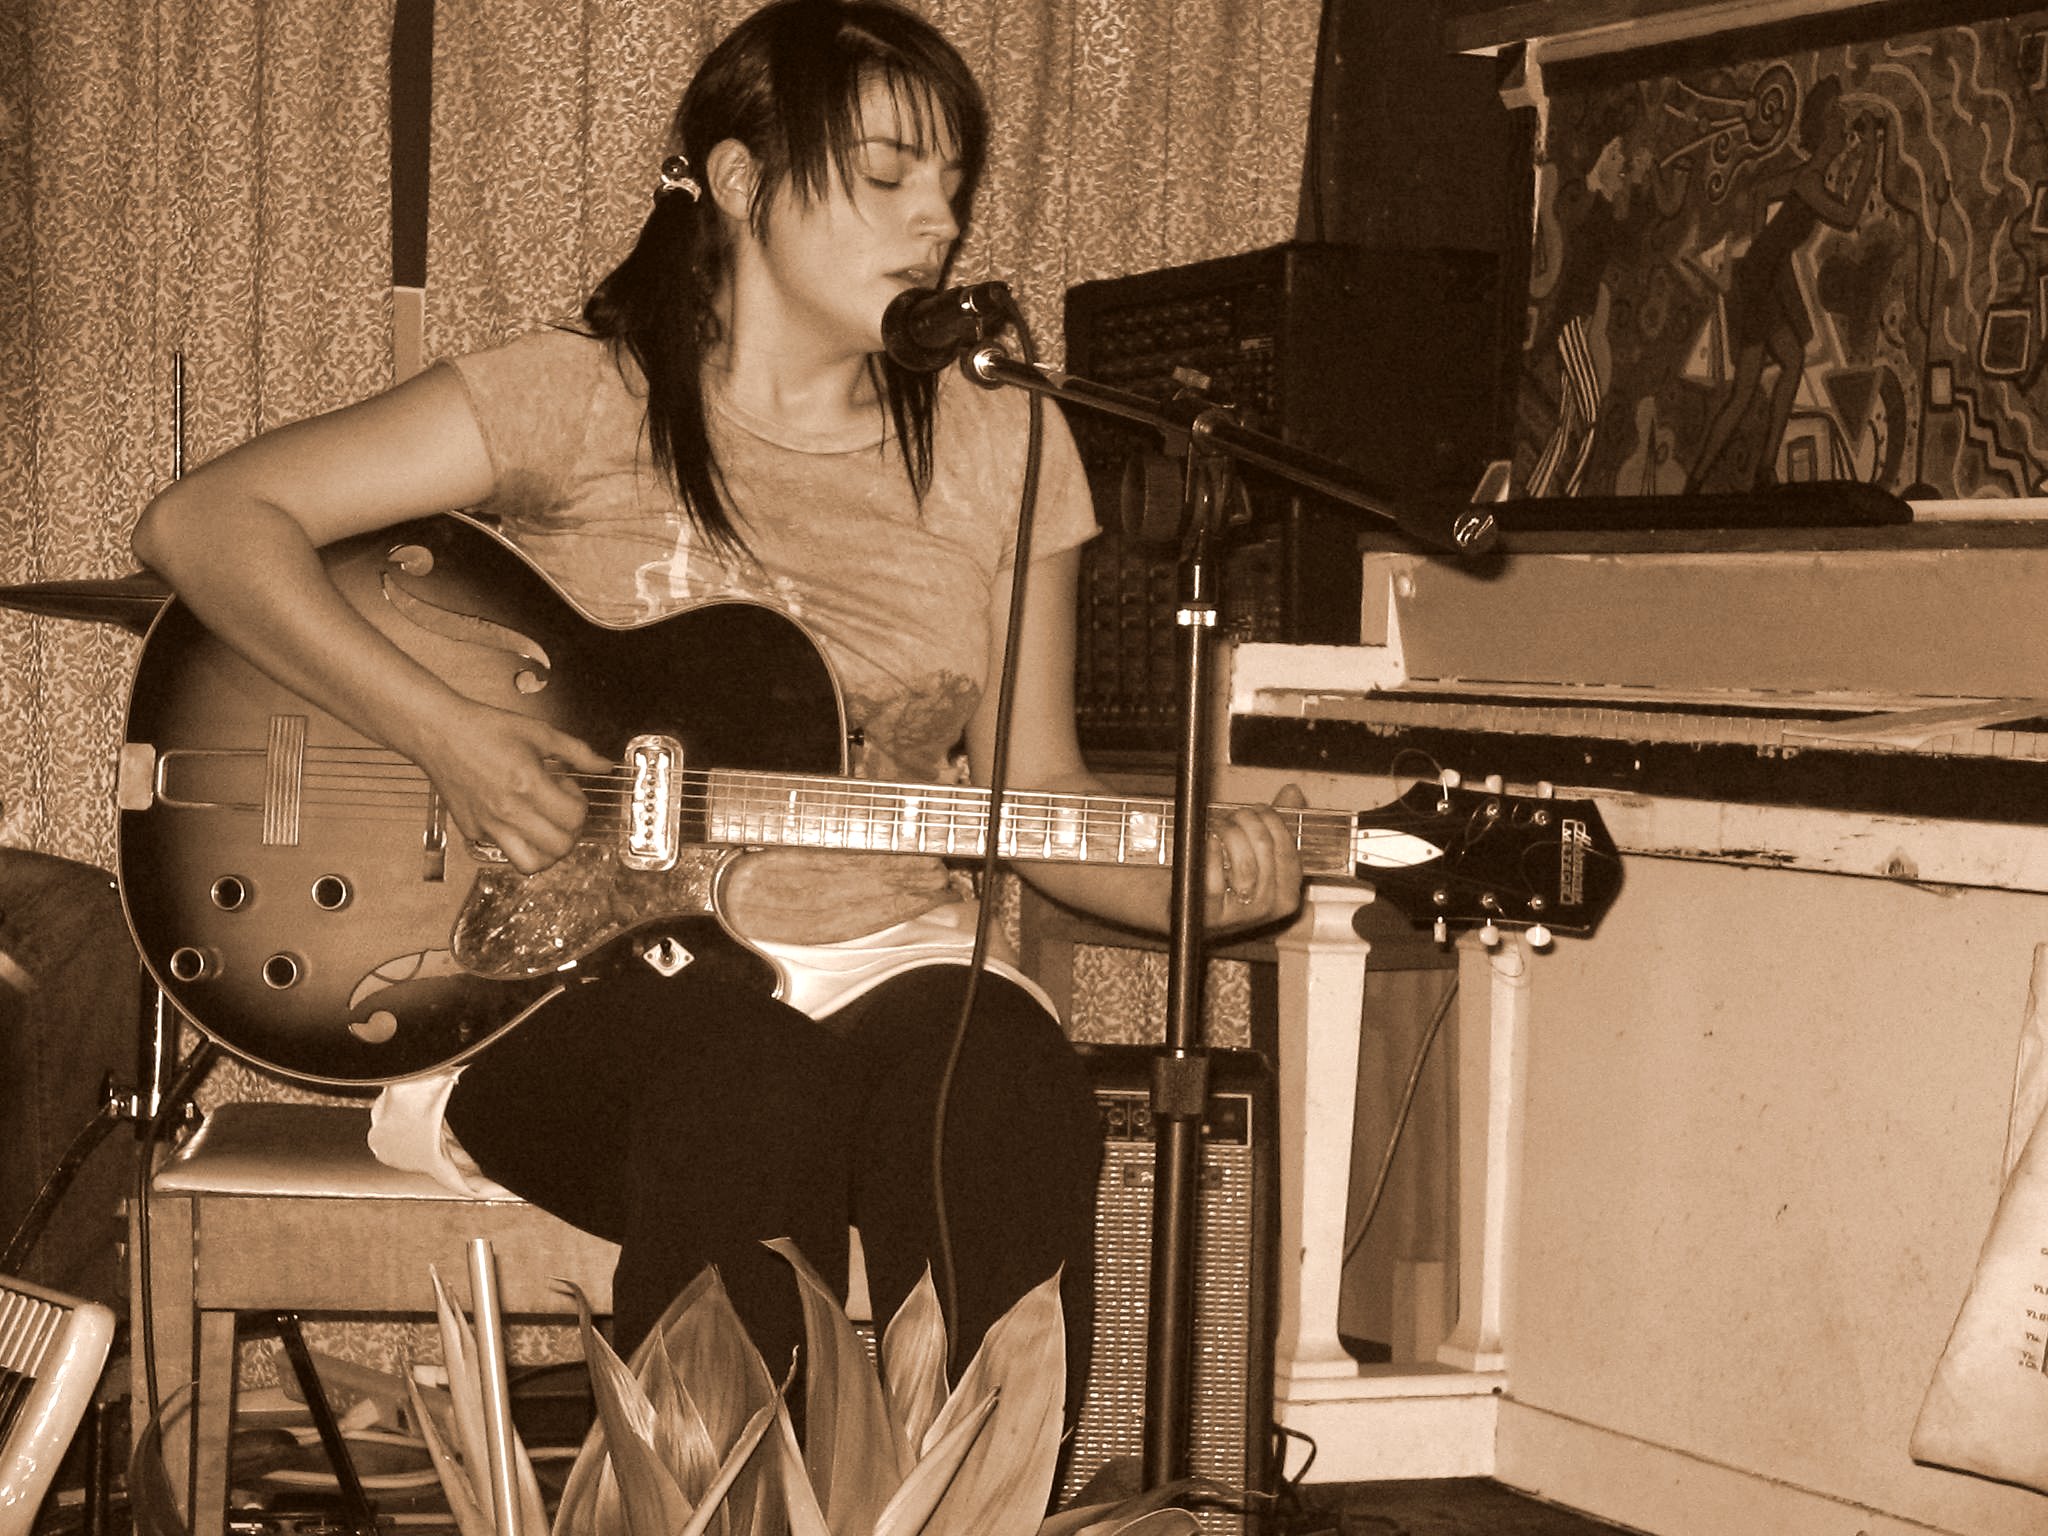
x=301, y=895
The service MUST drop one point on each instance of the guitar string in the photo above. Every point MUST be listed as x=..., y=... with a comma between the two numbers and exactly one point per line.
x=757, y=791
x=951, y=819
x=741, y=795
x=1328, y=849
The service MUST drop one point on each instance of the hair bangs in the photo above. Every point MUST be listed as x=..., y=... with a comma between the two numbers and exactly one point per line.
x=832, y=72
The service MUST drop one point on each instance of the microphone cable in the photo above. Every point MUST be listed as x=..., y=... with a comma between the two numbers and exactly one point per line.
x=998, y=776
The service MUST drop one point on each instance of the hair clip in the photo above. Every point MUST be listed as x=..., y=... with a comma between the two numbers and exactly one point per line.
x=676, y=177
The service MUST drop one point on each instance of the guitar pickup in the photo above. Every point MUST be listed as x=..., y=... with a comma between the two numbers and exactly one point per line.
x=654, y=813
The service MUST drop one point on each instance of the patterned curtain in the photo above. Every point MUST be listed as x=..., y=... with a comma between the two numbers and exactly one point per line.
x=206, y=178
x=1130, y=134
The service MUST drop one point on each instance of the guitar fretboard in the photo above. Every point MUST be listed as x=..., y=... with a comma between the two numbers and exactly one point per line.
x=777, y=810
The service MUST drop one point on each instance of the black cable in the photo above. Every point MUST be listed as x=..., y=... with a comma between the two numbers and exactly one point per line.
x=998, y=775
x=1379, y=1183
x=169, y=1107
x=29, y=1231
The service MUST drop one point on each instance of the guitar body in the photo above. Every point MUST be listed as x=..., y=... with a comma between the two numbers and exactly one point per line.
x=295, y=889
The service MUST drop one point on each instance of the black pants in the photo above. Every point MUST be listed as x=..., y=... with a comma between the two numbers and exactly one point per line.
x=690, y=1123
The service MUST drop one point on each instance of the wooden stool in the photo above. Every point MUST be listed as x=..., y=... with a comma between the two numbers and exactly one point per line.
x=281, y=1208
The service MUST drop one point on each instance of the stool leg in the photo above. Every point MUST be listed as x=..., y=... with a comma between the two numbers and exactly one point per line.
x=213, y=1412
x=170, y=1317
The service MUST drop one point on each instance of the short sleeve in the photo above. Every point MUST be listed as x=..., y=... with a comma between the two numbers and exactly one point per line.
x=988, y=432
x=532, y=400
x=1064, y=518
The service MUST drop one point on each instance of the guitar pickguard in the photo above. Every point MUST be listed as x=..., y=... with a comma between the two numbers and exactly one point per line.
x=515, y=926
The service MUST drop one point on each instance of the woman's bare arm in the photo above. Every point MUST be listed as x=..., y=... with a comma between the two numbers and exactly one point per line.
x=239, y=540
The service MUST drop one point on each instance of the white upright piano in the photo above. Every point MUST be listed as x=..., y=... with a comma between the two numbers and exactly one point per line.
x=1724, y=1166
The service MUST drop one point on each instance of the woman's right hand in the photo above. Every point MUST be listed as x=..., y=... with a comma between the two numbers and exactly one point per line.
x=507, y=780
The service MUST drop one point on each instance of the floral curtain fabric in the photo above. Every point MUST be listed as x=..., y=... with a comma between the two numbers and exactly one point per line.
x=198, y=179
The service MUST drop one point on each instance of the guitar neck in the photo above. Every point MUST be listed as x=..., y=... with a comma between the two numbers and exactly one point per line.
x=948, y=821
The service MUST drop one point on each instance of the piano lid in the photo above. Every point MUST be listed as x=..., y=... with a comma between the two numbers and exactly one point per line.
x=1886, y=624
x=1903, y=681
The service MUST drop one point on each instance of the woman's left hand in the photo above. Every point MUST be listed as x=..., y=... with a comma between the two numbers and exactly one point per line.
x=1254, y=874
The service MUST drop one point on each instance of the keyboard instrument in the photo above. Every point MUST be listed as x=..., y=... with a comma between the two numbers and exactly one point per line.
x=1898, y=678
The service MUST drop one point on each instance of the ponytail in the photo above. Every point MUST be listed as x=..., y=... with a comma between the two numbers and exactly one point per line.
x=656, y=305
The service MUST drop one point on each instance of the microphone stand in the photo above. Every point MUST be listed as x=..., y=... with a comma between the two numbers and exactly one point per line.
x=1210, y=442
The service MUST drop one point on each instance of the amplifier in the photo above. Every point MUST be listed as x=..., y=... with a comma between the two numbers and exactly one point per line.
x=1230, y=1423
x=1384, y=360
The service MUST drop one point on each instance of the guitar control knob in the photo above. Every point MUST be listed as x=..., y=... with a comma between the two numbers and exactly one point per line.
x=190, y=963
x=1539, y=937
x=1489, y=935
x=331, y=893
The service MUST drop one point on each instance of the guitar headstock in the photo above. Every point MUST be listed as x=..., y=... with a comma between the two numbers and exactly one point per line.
x=1531, y=861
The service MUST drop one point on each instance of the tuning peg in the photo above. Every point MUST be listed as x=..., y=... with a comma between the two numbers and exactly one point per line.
x=1447, y=779
x=1489, y=935
x=1441, y=932
x=1495, y=783
x=1545, y=790
x=1539, y=937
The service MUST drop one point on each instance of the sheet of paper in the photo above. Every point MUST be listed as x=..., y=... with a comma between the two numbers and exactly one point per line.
x=1986, y=1410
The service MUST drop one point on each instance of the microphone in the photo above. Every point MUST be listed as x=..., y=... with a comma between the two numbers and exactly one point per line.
x=924, y=331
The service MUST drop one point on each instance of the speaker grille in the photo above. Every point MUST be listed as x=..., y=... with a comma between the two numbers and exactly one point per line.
x=1229, y=1409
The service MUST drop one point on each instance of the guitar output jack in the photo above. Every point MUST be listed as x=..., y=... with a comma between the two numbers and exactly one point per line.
x=281, y=971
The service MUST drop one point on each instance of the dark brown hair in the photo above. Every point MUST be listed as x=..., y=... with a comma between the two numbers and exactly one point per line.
x=786, y=83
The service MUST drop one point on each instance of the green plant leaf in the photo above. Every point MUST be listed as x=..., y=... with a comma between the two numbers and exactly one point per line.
x=470, y=1519
x=650, y=1499
x=681, y=1438
x=465, y=1379
x=806, y=1515
x=914, y=1363
x=921, y=1492
x=713, y=1356
x=855, y=1455
x=704, y=1378
x=533, y=1509
x=744, y=1446
x=1004, y=1484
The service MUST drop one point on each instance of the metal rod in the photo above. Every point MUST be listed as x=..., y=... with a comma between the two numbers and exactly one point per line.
x=497, y=1389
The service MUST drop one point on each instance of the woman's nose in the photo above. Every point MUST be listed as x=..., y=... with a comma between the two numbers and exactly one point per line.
x=933, y=218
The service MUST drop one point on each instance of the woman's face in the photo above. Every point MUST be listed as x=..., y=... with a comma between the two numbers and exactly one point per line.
x=836, y=262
